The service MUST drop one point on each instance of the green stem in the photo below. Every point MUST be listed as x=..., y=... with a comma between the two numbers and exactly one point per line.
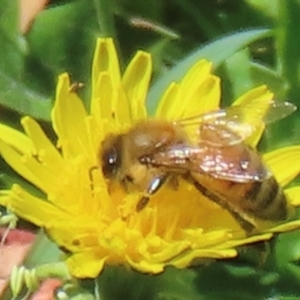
x=53, y=270
x=105, y=18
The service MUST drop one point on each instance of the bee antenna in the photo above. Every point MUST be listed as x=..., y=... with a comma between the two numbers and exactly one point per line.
x=91, y=170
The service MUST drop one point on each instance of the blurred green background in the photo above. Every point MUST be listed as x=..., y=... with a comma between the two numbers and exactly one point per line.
x=251, y=42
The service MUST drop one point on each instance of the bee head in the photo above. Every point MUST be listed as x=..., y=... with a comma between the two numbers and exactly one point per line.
x=111, y=156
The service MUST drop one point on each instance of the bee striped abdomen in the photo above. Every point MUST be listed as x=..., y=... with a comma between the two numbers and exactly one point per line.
x=268, y=200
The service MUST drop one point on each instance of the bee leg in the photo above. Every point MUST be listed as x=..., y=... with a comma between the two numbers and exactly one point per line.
x=263, y=251
x=173, y=182
x=256, y=254
x=142, y=203
x=91, y=170
x=154, y=186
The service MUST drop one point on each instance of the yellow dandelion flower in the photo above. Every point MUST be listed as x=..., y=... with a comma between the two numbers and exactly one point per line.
x=96, y=223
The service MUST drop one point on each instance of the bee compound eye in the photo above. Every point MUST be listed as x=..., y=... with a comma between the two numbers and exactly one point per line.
x=111, y=158
x=109, y=162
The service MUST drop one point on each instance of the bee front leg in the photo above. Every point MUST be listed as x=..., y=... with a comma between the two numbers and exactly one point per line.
x=154, y=186
x=91, y=170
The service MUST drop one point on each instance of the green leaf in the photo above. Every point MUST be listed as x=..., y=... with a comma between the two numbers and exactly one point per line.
x=217, y=52
x=116, y=282
x=287, y=255
x=62, y=39
x=238, y=72
x=268, y=7
x=218, y=280
x=288, y=45
x=288, y=56
x=43, y=251
x=17, y=96
x=14, y=94
x=231, y=280
x=12, y=45
x=264, y=75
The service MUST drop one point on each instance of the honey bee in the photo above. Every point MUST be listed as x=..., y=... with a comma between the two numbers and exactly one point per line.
x=217, y=160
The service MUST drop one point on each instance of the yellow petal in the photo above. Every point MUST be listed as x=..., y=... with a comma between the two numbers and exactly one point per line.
x=166, y=108
x=289, y=226
x=284, y=163
x=95, y=139
x=189, y=87
x=256, y=103
x=73, y=236
x=86, y=264
x=146, y=267
x=45, y=150
x=248, y=240
x=197, y=74
x=204, y=98
x=122, y=110
x=105, y=60
x=136, y=83
x=260, y=94
x=209, y=253
x=196, y=88
x=68, y=117
x=208, y=239
x=31, y=208
x=16, y=161
x=254, y=139
x=293, y=195
x=16, y=139
x=102, y=106
x=47, y=177
x=169, y=250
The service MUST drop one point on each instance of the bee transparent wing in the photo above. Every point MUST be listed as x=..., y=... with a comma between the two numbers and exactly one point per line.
x=238, y=163
x=218, y=150
x=238, y=122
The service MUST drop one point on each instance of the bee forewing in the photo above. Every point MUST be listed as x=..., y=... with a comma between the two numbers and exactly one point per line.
x=238, y=164
x=238, y=122
x=279, y=110
x=236, y=175
x=258, y=111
